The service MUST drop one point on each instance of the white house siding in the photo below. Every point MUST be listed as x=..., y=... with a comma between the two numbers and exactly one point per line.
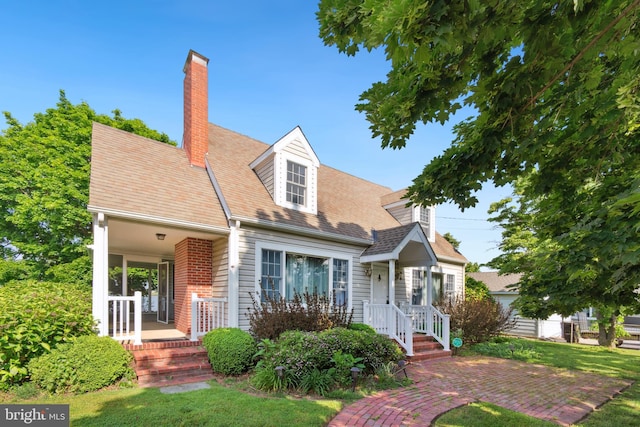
x=220, y=265
x=526, y=327
x=297, y=148
x=401, y=213
x=248, y=237
x=265, y=173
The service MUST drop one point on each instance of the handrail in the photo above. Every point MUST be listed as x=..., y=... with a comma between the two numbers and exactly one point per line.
x=206, y=314
x=120, y=312
x=429, y=320
x=390, y=320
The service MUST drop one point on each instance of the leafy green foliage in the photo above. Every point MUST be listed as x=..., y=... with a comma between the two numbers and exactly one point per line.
x=87, y=364
x=362, y=327
x=306, y=312
x=475, y=289
x=508, y=349
x=44, y=186
x=479, y=320
x=555, y=89
x=230, y=350
x=449, y=238
x=332, y=353
x=34, y=318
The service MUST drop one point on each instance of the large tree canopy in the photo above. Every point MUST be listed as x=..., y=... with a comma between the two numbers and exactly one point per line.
x=555, y=91
x=44, y=189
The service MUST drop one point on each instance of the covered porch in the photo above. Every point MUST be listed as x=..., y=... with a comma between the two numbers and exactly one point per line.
x=144, y=286
x=400, y=266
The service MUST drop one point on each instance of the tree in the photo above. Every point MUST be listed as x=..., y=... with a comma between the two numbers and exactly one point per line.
x=555, y=93
x=44, y=189
x=449, y=238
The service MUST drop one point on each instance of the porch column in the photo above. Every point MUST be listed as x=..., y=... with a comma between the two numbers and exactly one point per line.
x=193, y=273
x=392, y=282
x=429, y=287
x=100, y=273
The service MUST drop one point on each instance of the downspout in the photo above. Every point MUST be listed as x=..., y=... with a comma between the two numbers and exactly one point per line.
x=234, y=279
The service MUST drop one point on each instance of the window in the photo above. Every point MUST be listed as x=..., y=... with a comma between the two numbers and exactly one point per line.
x=306, y=274
x=450, y=285
x=270, y=275
x=296, y=183
x=340, y=281
x=417, y=288
x=424, y=216
x=285, y=273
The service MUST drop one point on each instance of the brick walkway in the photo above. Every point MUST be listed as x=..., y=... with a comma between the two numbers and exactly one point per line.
x=560, y=396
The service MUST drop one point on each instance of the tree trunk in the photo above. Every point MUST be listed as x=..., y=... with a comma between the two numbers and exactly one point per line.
x=606, y=330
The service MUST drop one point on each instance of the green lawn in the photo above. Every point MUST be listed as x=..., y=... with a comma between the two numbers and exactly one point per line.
x=218, y=406
x=622, y=411
x=235, y=403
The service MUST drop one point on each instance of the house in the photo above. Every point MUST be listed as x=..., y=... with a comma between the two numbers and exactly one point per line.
x=503, y=289
x=227, y=217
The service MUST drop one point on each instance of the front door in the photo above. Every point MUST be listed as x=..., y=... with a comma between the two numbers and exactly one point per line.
x=380, y=286
x=163, y=292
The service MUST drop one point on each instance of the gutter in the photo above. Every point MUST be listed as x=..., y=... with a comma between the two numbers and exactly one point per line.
x=158, y=220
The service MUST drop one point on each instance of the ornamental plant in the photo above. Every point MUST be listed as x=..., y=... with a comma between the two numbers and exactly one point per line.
x=34, y=318
x=230, y=350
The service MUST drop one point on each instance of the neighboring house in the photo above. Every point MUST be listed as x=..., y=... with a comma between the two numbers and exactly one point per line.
x=228, y=217
x=501, y=287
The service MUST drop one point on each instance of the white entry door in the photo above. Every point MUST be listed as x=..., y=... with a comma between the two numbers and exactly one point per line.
x=163, y=292
x=380, y=286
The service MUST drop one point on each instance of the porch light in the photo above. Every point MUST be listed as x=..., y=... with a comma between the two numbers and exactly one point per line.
x=379, y=277
x=160, y=236
x=367, y=272
x=354, y=377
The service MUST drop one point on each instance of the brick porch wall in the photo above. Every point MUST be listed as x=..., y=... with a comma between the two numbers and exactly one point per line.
x=193, y=273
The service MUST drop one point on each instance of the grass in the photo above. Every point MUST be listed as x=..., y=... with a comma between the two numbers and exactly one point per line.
x=622, y=411
x=233, y=402
x=221, y=405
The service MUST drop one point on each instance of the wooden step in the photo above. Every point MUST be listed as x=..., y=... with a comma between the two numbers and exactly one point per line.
x=159, y=364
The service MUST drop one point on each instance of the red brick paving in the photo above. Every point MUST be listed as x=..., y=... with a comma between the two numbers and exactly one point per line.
x=560, y=396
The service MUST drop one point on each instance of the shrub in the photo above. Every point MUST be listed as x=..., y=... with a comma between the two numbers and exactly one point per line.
x=87, y=364
x=230, y=350
x=508, y=349
x=310, y=359
x=306, y=312
x=475, y=289
x=479, y=320
x=362, y=327
x=34, y=318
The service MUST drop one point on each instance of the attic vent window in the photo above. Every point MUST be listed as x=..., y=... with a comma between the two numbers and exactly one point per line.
x=296, y=183
x=424, y=216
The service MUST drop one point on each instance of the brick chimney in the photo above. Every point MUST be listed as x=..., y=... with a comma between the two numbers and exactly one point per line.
x=195, y=140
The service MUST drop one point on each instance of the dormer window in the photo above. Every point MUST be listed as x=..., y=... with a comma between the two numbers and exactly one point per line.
x=424, y=216
x=296, y=183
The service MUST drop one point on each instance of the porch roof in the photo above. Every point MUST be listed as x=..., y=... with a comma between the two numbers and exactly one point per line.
x=406, y=243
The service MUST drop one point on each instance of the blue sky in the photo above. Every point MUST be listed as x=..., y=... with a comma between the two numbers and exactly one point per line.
x=268, y=72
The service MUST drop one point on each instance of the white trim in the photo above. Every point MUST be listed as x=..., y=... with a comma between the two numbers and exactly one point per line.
x=417, y=235
x=118, y=214
x=303, y=231
x=295, y=134
x=233, y=275
x=216, y=187
x=304, y=250
x=99, y=306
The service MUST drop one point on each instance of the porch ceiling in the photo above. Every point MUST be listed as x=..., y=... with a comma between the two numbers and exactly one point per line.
x=132, y=237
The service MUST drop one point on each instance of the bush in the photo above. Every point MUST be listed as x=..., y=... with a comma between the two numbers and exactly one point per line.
x=362, y=327
x=306, y=312
x=230, y=350
x=311, y=359
x=34, y=318
x=475, y=289
x=88, y=364
x=479, y=320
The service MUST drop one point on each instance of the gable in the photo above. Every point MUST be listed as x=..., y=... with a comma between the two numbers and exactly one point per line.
x=291, y=157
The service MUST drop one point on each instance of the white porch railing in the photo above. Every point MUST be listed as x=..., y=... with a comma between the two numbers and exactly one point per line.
x=390, y=320
x=429, y=320
x=120, y=324
x=206, y=314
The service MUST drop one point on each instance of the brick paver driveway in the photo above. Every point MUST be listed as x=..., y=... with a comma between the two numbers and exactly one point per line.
x=560, y=396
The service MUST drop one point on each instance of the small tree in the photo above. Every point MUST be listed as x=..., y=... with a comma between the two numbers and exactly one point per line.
x=478, y=319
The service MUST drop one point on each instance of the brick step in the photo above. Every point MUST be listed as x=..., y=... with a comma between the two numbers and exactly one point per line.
x=426, y=346
x=158, y=364
x=428, y=355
